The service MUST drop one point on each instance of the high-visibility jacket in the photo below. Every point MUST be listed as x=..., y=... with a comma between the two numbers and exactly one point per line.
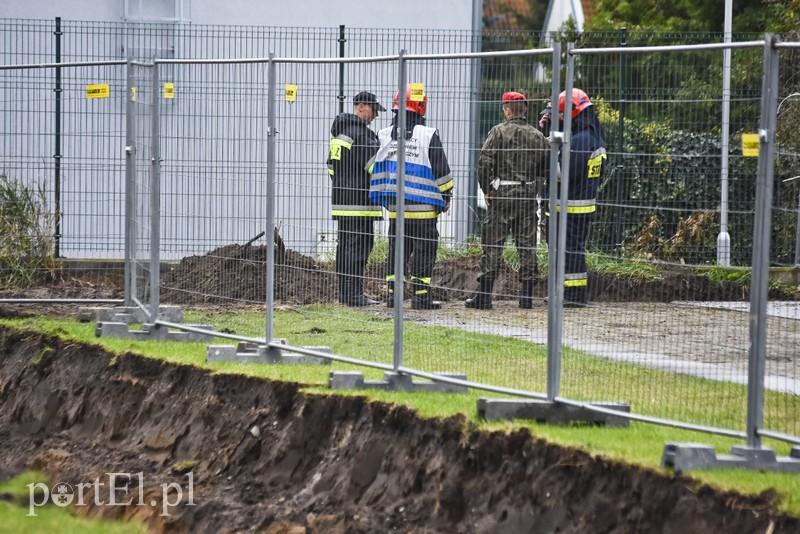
x=428, y=182
x=352, y=148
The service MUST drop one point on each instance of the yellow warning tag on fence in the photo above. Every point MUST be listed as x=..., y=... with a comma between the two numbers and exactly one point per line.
x=750, y=145
x=169, y=90
x=133, y=94
x=97, y=90
x=417, y=92
x=291, y=92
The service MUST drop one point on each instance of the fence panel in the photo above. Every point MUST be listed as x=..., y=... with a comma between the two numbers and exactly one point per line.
x=138, y=211
x=783, y=321
x=675, y=358
x=68, y=151
x=658, y=210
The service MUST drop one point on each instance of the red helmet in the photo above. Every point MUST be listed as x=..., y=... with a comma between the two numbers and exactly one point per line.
x=417, y=106
x=580, y=101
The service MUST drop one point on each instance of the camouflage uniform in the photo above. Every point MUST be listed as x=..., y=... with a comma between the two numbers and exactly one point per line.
x=514, y=151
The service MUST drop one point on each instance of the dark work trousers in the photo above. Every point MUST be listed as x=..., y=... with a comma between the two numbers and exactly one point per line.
x=356, y=237
x=421, y=241
x=575, y=271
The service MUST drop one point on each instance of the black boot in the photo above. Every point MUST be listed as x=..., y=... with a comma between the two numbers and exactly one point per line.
x=422, y=299
x=352, y=294
x=482, y=300
x=390, y=297
x=361, y=300
x=526, y=299
x=344, y=288
x=575, y=297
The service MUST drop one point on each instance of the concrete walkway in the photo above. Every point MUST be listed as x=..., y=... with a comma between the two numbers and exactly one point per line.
x=629, y=354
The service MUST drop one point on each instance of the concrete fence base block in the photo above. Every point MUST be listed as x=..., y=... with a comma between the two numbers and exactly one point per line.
x=551, y=412
x=689, y=456
x=151, y=331
x=394, y=382
x=247, y=352
x=127, y=314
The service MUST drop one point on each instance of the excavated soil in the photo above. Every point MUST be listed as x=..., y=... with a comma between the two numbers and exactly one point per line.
x=264, y=456
x=237, y=272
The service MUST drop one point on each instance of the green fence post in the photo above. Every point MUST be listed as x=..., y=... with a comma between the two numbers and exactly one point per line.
x=57, y=149
x=623, y=41
x=341, y=96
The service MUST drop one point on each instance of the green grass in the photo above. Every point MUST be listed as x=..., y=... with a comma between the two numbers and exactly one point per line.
x=739, y=276
x=605, y=265
x=15, y=518
x=366, y=336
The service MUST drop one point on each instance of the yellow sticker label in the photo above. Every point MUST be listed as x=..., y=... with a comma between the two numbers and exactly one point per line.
x=417, y=92
x=291, y=92
x=97, y=90
x=169, y=90
x=133, y=94
x=750, y=145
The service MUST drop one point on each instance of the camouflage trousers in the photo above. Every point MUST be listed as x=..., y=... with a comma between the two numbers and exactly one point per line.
x=511, y=213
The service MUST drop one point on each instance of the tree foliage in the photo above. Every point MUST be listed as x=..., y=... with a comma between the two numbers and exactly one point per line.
x=749, y=16
x=695, y=15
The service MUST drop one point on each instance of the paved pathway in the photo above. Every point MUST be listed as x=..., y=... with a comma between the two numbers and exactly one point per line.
x=629, y=354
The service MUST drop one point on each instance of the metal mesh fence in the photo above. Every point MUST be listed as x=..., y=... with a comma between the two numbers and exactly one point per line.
x=140, y=151
x=660, y=206
x=201, y=138
x=783, y=327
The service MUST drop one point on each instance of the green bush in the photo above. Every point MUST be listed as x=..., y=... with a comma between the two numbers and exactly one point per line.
x=26, y=234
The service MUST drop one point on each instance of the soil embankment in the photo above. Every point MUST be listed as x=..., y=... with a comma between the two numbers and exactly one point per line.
x=263, y=456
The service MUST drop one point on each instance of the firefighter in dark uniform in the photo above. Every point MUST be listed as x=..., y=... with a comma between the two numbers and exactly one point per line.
x=586, y=161
x=352, y=148
x=511, y=171
x=428, y=188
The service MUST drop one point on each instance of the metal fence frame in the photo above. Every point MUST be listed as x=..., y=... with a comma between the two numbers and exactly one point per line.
x=555, y=305
x=761, y=253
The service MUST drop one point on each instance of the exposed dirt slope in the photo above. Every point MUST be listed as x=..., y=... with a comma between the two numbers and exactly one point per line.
x=267, y=457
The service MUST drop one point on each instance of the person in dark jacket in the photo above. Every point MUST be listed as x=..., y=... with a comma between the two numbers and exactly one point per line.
x=587, y=159
x=352, y=148
x=511, y=171
x=428, y=187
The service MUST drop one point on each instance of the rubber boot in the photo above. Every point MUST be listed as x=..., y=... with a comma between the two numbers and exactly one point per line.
x=359, y=298
x=575, y=297
x=390, y=297
x=422, y=299
x=482, y=300
x=352, y=293
x=344, y=288
x=526, y=299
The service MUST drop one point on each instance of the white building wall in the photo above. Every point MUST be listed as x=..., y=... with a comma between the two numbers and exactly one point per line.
x=421, y=14
x=213, y=131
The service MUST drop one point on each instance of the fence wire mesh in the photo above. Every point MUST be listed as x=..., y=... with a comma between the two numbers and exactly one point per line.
x=671, y=345
x=140, y=153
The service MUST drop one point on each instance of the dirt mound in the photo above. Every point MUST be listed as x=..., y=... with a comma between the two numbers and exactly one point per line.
x=238, y=272
x=263, y=456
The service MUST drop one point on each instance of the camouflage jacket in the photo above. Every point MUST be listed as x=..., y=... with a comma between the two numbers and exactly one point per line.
x=514, y=151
